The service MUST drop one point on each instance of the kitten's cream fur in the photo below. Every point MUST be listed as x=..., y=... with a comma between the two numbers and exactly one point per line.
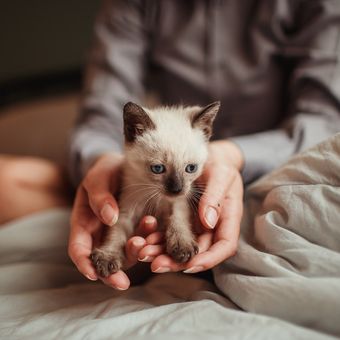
x=173, y=137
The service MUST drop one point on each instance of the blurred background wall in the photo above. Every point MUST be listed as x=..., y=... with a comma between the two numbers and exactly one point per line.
x=43, y=46
x=42, y=37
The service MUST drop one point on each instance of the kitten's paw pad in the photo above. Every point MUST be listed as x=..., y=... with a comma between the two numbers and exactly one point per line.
x=183, y=252
x=105, y=264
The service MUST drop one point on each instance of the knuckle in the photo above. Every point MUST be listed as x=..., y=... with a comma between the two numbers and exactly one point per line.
x=213, y=197
x=234, y=252
x=97, y=200
x=229, y=247
x=70, y=253
x=233, y=248
x=90, y=181
x=207, y=265
x=86, y=183
x=225, y=168
x=94, y=204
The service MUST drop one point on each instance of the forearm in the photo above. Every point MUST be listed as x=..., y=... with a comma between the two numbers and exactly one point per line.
x=265, y=151
x=312, y=104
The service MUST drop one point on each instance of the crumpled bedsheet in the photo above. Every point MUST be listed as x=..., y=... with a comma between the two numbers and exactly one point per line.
x=283, y=283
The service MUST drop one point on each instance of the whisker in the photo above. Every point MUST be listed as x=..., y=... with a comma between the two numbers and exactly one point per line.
x=201, y=194
x=149, y=185
x=201, y=185
x=149, y=202
x=138, y=200
x=192, y=204
x=194, y=185
x=136, y=192
x=193, y=201
x=157, y=199
x=154, y=206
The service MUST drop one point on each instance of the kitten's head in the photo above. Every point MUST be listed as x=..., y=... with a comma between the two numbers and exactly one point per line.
x=166, y=148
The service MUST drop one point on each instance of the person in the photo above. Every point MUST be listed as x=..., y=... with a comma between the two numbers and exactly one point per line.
x=274, y=65
x=30, y=185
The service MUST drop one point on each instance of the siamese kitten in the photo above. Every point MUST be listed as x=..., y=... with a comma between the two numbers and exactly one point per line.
x=165, y=151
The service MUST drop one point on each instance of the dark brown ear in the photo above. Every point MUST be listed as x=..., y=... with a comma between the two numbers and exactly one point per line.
x=204, y=118
x=136, y=121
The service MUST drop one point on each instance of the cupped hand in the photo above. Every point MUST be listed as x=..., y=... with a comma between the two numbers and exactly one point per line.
x=220, y=211
x=95, y=207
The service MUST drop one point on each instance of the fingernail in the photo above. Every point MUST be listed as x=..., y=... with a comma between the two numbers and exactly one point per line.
x=119, y=288
x=194, y=269
x=145, y=259
x=92, y=278
x=149, y=220
x=138, y=243
x=211, y=217
x=160, y=270
x=108, y=215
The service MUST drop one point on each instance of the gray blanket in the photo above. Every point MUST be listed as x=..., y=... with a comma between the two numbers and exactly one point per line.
x=284, y=282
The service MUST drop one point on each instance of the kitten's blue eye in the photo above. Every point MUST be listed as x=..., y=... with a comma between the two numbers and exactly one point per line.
x=190, y=168
x=157, y=168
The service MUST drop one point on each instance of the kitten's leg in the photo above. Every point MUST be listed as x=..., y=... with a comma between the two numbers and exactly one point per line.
x=110, y=256
x=181, y=244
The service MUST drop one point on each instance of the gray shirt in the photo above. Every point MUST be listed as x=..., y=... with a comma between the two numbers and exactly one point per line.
x=274, y=65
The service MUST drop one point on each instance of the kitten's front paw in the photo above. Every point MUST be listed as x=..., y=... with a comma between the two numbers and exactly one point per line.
x=180, y=250
x=105, y=263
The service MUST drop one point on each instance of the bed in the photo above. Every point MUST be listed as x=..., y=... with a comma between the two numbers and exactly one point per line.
x=283, y=283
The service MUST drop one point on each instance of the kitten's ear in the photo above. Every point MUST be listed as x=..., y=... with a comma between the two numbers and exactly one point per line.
x=204, y=118
x=136, y=121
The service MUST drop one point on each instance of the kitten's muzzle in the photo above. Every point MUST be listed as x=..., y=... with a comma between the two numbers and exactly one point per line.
x=174, y=185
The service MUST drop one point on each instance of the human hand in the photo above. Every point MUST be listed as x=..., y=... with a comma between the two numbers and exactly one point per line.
x=94, y=207
x=220, y=211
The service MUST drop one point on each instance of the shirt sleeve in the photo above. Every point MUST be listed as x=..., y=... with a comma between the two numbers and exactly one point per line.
x=114, y=75
x=313, y=48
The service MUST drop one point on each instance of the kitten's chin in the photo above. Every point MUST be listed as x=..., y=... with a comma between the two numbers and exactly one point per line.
x=170, y=197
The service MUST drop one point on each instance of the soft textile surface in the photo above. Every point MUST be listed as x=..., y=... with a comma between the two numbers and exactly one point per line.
x=284, y=282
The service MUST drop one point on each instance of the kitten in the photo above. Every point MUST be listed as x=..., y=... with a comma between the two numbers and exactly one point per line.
x=165, y=151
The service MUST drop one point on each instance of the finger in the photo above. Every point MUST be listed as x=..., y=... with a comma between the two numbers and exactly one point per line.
x=79, y=254
x=82, y=215
x=149, y=252
x=155, y=238
x=99, y=184
x=147, y=225
x=219, y=180
x=132, y=249
x=226, y=238
x=217, y=253
x=119, y=281
x=104, y=205
x=164, y=263
x=204, y=242
x=83, y=226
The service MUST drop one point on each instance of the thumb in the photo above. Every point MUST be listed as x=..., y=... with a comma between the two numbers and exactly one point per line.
x=219, y=180
x=99, y=185
x=103, y=204
x=109, y=212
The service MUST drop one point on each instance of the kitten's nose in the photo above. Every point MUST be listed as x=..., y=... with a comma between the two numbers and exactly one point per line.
x=174, y=185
